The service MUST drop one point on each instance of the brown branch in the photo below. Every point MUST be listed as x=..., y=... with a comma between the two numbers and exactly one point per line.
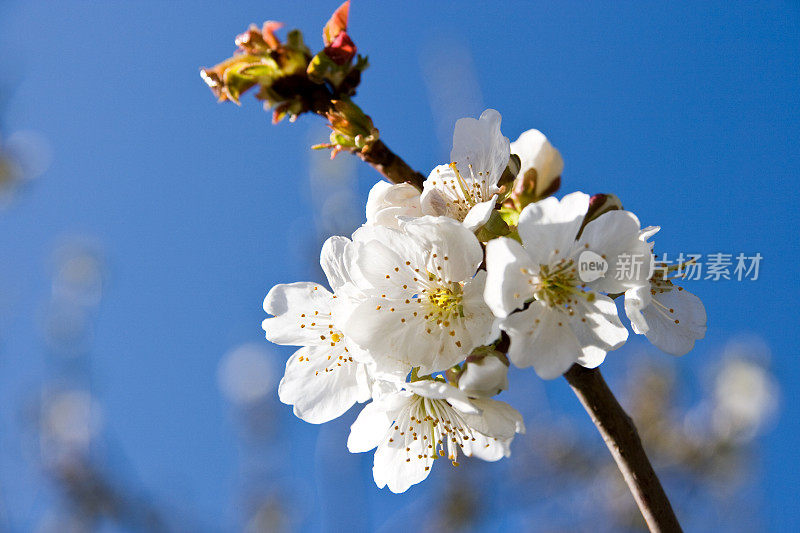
x=318, y=99
x=623, y=441
x=390, y=165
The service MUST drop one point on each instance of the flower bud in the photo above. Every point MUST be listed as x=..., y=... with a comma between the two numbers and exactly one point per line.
x=495, y=226
x=506, y=181
x=485, y=374
x=259, y=41
x=352, y=128
x=600, y=204
x=540, y=168
x=341, y=50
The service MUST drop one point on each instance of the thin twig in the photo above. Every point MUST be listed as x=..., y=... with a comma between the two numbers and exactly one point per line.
x=390, y=165
x=623, y=441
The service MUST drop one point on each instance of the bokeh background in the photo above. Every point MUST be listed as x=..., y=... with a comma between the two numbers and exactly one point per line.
x=141, y=225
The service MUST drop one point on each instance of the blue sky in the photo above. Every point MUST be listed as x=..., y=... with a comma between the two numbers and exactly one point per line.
x=688, y=113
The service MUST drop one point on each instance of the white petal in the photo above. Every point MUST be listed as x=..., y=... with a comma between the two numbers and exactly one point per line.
x=615, y=235
x=541, y=337
x=648, y=232
x=637, y=299
x=488, y=448
x=321, y=383
x=336, y=259
x=382, y=264
x=548, y=228
x=375, y=199
x=497, y=419
x=603, y=321
x=598, y=328
x=437, y=199
x=484, y=378
x=302, y=313
x=457, y=251
x=482, y=326
x=389, y=329
x=400, y=464
x=508, y=278
x=436, y=390
x=388, y=201
x=373, y=422
x=481, y=144
x=591, y=356
x=669, y=336
x=480, y=214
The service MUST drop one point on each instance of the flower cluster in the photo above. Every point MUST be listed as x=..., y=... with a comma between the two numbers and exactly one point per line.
x=441, y=289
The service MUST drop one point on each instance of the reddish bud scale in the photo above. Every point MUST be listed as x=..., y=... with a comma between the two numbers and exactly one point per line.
x=341, y=50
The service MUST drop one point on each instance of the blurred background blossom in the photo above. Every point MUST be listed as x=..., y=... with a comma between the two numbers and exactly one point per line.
x=142, y=225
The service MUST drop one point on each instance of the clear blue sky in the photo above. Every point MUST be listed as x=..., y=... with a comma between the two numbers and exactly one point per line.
x=689, y=113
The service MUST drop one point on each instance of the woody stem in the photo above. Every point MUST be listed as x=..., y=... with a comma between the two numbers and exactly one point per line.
x=390, y=165
x=622, y=440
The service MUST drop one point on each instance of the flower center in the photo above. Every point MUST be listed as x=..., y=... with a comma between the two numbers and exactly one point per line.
x=439, y=426
x=559, y=286
x=443, y=302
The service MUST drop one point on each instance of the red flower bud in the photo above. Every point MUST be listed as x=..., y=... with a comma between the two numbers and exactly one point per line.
x=341, y=50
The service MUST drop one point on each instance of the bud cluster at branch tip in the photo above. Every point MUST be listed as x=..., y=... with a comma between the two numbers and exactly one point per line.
x=287, y=76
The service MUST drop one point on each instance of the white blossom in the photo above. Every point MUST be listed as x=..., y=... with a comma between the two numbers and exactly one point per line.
x=422, y=299
x=388, y=201
x=466, y=189
x=561, y=319
x=669, y=316
x=325, y=377
x=413, y=427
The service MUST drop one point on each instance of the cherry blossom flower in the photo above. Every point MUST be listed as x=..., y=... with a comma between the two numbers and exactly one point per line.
x=388, y=201
x=325, y=377
x=671, y=317
x=423, y=295
x=424, y=421
x=466, y=189
x=562, y=319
